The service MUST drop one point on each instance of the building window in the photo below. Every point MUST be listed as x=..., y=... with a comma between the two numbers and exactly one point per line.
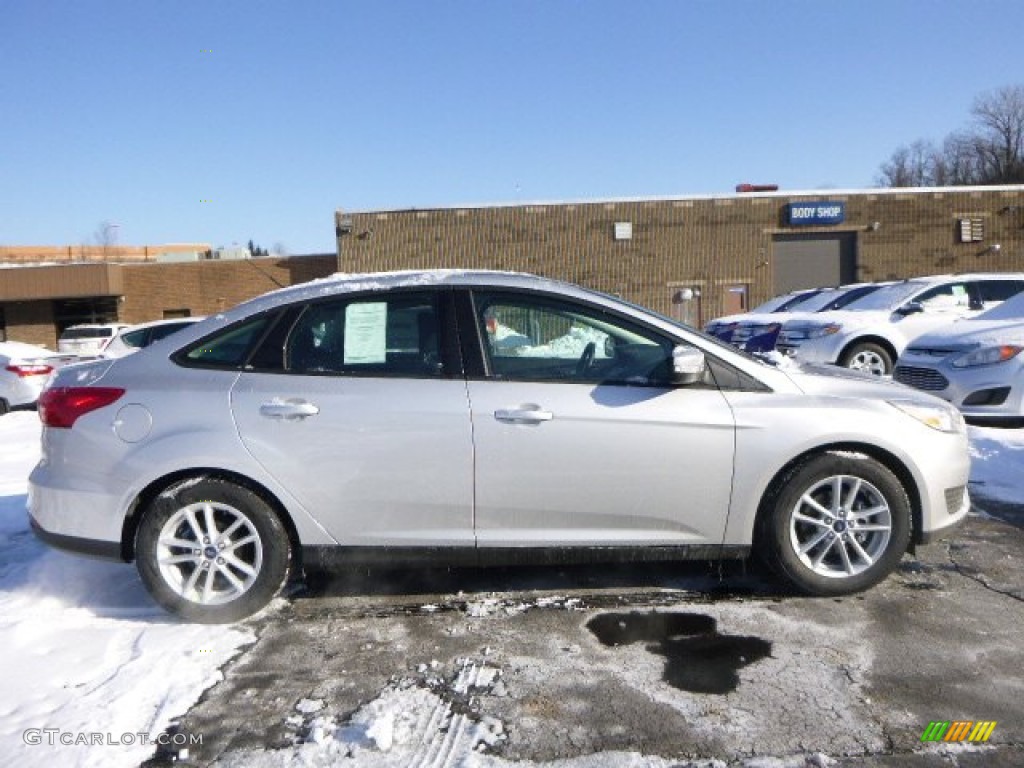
x=3, y=325
x=172, y=313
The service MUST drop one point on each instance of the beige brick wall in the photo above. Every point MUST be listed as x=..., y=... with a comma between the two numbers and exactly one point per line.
x=710, y=243
x=206, y=287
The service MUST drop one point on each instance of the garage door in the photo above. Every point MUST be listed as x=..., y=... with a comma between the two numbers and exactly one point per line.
x=809, y=261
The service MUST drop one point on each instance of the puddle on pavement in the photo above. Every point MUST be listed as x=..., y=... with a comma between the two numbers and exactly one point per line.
x=698, y=658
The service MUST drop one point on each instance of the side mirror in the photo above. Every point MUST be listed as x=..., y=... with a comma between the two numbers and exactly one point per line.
x=910, y=308
x=688, y=365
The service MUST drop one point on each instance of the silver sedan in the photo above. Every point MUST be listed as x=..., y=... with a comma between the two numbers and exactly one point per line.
x=477, y=418
x=976, y=364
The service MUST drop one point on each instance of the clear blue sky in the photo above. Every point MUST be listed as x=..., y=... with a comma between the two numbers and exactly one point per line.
x=219, y=121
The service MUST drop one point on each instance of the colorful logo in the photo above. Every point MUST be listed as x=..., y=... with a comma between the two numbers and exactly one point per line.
x=958, y=730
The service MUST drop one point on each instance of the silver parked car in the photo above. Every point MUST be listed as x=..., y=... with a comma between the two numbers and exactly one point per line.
x=870, y=333
x=478, y=417
x=976, y=364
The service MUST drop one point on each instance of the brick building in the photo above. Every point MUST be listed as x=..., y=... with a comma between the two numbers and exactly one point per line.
x=37, y=302
x=730, y=251
x=694, y=258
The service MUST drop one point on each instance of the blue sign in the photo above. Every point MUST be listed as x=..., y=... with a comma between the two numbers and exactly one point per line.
x=816, y=213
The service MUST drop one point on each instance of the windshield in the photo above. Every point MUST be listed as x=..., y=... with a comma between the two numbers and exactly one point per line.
x=797, y=301
x=87, y=333
x=771, y=305
x=821, y=300
x=1011, y=309
x=889, y=297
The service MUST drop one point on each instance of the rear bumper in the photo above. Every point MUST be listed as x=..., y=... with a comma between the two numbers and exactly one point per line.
x=74, y=518
x=104, y=550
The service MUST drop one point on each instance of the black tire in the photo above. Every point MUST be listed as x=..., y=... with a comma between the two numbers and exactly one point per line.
x=871, y=553
x=256, y=539
x=4, y=406
x=868, y=357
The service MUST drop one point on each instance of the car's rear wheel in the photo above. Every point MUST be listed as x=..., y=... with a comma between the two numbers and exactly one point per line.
x=211, y=551
x=4, y=406
x=868, y=357
x=838, y=523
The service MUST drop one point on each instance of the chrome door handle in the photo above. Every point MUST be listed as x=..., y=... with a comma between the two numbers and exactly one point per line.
x=526, y=414
x=288, y=409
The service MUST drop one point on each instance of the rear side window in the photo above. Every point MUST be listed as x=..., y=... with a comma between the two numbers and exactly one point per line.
x=134, y=339
x=228, y=348
x=158, y=332
x=387, y=335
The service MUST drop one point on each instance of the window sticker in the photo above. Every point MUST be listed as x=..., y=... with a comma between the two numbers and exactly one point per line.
x=365, y=333
x=960, y=294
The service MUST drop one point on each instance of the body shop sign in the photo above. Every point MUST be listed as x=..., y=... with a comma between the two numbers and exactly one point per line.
x=816, y=213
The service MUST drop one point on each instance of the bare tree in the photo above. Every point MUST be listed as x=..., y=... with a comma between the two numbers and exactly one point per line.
x=991, y=151
x=912, y=166
x=106, y=237
x=999, y=116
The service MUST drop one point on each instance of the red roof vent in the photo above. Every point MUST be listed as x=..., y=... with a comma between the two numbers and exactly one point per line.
x=757, y=187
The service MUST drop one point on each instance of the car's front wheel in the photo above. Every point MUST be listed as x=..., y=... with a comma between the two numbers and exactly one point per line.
x=211, y=551
x=868, y=357
x=838, y=523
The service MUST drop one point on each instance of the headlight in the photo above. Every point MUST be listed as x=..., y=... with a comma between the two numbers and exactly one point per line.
x=823, y=330
x=988, y=356
x=944, y=418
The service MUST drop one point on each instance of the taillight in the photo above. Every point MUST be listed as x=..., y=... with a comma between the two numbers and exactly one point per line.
x=26, y=369
x=61, y=406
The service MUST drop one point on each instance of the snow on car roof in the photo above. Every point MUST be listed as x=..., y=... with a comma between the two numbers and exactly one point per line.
x=344, y=282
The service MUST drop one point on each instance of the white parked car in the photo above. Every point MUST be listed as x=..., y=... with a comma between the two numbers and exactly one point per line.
x=723, y=327
x=975, y=364
x=88, y=340
x=24, y=369
x=136, y=337
x=871, y=333
x=758, y=332
x=385, y=418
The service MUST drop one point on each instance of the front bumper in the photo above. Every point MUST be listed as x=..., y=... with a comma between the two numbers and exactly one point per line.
x=990, y=392
x=822, y=350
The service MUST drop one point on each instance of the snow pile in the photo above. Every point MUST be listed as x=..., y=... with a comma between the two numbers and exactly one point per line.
x=411, y=723
x=997, y=464
x=88, y=657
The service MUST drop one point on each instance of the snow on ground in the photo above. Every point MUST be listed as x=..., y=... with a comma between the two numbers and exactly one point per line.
x=997, y=464
x=87, y=654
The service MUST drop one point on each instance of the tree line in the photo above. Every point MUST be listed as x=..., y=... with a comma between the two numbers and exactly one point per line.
x=989, y=151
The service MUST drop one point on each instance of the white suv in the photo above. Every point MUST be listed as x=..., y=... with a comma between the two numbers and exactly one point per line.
x=872, y=332
x=88, y=340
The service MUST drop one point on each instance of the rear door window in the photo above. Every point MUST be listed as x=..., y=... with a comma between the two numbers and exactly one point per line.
x=386, y=335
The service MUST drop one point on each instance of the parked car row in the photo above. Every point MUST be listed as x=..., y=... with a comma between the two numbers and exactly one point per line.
x=911, y=329
x=25, y=368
